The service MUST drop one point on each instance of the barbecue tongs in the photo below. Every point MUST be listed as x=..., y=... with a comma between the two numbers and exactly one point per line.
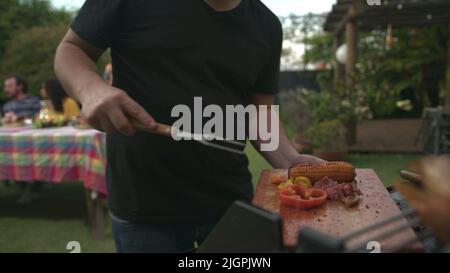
x=205, y=139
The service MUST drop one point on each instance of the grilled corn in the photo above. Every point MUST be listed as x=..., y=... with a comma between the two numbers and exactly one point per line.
x=338, y=171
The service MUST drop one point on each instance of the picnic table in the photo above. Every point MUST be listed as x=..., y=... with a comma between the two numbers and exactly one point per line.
x=333, y=218
x=58, y=155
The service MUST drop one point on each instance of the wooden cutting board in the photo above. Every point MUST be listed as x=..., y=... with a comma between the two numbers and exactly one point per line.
x=333, y=218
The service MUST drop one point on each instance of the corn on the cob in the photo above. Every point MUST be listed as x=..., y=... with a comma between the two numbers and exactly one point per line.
x=338, y=171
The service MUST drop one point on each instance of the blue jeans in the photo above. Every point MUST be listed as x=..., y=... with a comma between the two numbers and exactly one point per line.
x=157, y=238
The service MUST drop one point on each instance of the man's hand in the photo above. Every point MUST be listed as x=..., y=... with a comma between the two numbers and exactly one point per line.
x=10, y=117
x=105, y=108
x=286, y=155
x=110, y=110
x=306, y=159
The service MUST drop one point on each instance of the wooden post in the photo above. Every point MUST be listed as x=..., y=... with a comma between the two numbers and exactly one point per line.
x=447, y=72
x=337, y=66
x=351, y=37
x=95, y=211
x=351, y=33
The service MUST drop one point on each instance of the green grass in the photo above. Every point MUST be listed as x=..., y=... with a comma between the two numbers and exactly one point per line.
x=257, y=163
x=48, y=224
x=60, y=215
x=387, y=166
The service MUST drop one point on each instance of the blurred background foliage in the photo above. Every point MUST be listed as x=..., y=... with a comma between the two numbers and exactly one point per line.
x=399, y=72
x=30, y=31
x=23, y=14
x=30, y=54
x=411, y=69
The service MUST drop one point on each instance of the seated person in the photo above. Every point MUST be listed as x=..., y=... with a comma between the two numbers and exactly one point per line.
x=21, y=105
x=51, y=89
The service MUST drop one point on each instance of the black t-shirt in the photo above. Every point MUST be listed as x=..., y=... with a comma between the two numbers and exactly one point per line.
x=164, y=53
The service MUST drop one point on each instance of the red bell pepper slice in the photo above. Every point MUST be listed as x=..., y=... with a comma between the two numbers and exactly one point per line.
x=302, y=197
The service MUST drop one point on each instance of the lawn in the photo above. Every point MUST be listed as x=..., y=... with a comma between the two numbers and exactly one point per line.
x=48, y=224
x=387, y=166
x=59, y=216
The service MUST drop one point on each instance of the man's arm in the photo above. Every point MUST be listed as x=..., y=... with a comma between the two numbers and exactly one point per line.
x=106, y=108
x=286, y=155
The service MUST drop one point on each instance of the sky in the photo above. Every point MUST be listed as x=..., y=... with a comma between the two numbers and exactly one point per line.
x=279, y=7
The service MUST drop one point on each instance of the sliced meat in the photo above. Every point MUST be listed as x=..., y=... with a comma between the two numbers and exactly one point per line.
x=333, y=193
x=349, y=189
x=330, y=186
x=348, y=193
x=351, y=201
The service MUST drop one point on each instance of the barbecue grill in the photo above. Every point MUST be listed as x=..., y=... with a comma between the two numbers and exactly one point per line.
x=244, y=227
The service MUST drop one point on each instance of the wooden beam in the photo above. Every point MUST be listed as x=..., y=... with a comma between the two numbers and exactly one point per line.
x=339, y=16
x=404, y=19
x=397, y=25
x=407, y=15
x=354, y=11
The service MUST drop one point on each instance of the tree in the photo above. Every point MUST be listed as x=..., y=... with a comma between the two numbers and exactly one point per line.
x=297, y=31
x=319, y=48
x=21, y=14
x=30, y=53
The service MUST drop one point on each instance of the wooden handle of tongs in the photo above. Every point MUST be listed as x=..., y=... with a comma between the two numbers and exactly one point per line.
x=412, y=177
x=161, y=129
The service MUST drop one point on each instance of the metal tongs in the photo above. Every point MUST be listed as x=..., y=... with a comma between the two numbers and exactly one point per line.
x=212, y=141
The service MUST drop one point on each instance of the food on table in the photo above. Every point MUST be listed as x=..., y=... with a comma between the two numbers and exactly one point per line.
x=351, y=201
x=348, y=193
x=285, y=184
x=28, y=122
x=56, y=120
x=80, y=122
x=277, y=179
x=338, y=171
x=310, y=185
x=9, y=117
x=16, y=124
x=302, y=197
x=47, y=117
x=303, y=180
x=11, y=120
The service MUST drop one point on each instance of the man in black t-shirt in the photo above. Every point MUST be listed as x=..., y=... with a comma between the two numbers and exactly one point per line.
x=165, y=194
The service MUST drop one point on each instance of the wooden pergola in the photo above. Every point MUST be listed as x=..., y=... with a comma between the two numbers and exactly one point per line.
x=348, y=17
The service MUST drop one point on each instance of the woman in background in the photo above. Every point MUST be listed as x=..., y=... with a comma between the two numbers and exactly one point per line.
x=62, y=104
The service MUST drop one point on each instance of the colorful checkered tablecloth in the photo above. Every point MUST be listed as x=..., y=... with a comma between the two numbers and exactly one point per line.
x=53, y=155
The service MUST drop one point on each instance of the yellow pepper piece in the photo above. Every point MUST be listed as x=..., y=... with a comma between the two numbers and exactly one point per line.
x=303, y=180
x=285, y=184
